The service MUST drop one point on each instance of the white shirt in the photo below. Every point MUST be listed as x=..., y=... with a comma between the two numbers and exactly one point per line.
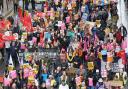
x=111, y=36
x=7, y=44
x=63, y=87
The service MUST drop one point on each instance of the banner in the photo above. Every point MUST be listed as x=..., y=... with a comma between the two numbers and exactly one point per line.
x=49, y=53
x=43, y=53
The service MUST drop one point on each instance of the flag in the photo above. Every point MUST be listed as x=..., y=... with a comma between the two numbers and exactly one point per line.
x=20, y=12
x=2, y=25
x=1, y=41
x=27, y=22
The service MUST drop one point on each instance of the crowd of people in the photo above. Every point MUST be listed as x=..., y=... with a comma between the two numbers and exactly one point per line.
x=69, y=44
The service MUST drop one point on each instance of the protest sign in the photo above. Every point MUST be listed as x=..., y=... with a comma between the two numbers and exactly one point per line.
x=90, y=65
x=13, y=74
x=104, y=73
x=26, y=72
x=90, y=81
x=115, y=67
x=49, y=53
x=78, y=81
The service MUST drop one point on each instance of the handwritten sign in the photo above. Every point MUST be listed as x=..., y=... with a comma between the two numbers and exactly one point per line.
x=13, y=74
x=115, y=67
x=90, y=66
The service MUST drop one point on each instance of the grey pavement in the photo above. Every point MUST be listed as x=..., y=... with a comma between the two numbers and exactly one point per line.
x=7, y=9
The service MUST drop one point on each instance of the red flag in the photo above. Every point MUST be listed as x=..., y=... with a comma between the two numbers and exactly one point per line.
x=20, y=12
x=8, y=38
x=2, y=24
x=27, y=22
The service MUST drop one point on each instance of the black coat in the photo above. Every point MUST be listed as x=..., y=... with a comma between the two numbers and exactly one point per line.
x=124, y=31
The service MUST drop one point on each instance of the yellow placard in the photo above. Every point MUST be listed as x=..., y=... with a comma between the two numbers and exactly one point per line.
x=10, y=67
x=90, y=65
x=26, y=65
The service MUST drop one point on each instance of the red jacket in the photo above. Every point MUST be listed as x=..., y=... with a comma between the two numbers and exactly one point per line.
x=122, y=55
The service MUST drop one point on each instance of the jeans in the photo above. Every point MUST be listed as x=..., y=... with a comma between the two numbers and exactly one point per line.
x=26, y=6
x=90, y=87
x=15, y=7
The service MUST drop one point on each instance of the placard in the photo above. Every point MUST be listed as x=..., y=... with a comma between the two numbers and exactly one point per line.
x=78, y=80
x=90, y=65
x=104, y=52
x=68, y=19
x=115, y=67
x=49, y=53
x=90, y=81
x=104, y=73
x=7, y=81
x=26, y=72
x=13, y=74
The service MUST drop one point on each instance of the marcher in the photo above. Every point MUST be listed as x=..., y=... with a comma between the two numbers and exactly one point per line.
x=15, y=5
x=1, y=6
x=65, y=45
x=33, y=4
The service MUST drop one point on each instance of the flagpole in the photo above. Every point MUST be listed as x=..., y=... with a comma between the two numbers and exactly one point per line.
x=23, y=9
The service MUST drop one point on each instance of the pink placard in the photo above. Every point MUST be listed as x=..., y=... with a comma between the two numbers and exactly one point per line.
x=78, y=80
x=68, y=19
x=34, y=39
x=13, y=74
x=7, y=81
x=49, y=13
x=26, y=72
x=31, y=73
x=104, y=73
x=63, y=27
x=55, y=0
x=90, y=81
x=23, y=46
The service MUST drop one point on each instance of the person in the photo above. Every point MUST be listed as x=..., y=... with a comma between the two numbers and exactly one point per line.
x=1, y=6
x=100, y=84
x=43, y=86
x=14, y=55
x=33, y=4
x=26, y=4
x=15, y=5
x=63, y=85
x=123, y=31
